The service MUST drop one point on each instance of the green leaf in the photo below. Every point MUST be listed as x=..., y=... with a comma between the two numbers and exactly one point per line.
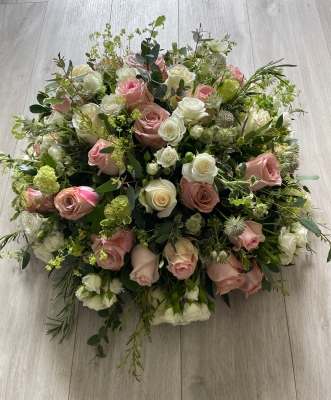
x=188, y=64
x=25, y=259
x=225, y=297
x=118, y=308
x=162, y=238
x=137, y=173
x=103, y=313
x=251, y=151
x=273, y=268
x=93, y=340
x=106, y=339
x=307, y=178
x=267, y=273
x=300, y=202
x=26, y=169
x=242, y=170
x=127, y=282
x=139, y=219
x=96, y=216
x=329, y=256
x=159, y=21
x=107, y=187
x=40, y=97
x=38, y=109
x=310, y=225
x=104, y=118
x=131, y=196
x=165, y=228
x=115, y=325
x=106, y=77
x=279, y=122
x=102, y=332
x=107, y=150
x=266, y=285
x=249, y=136
x=209, y=286
x=156, y=76
x=49, y=160
x=195, y=36
x=154, y=53
x=100, y=353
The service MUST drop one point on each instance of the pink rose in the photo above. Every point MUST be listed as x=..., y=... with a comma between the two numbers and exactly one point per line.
x=134, y=91
x=64, y=106
x=145, y=266
x=253, y=281
x=201, y=196
x=227, y=275
x=114, y=247
x=250, y=238
x=237, y=75
x=130, y=60
x=265, y=167
x=34, y=200
x=147, y=127
x=36, y=149
x=202, y=92
x=106, y=164
x=75, y=202
x=183, y=261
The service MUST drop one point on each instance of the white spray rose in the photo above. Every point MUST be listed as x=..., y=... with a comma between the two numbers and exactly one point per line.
x=202, y=169
x=167, y=156
x=159, y=195
x=152, y=168
x=112, y=105
x=126, y=72
x=92, y=283
x=217, y=46
x=107, y=300
x=93, y=82
x=31, y=224
x=54, y=118
x=57, y=152
x=256, y=119
x=177, y=73
x=81, y=69
x=81, y=293
x=156, y=298
x=196, y=131
x=95, y=303
x=192, y=110
x=172, y=130
x=192, y=294
x=170, y=318
x=54, y=241
x=47, y=142
x=300, y=233
x=205, y=313
x=287, y=120
x=42, y=253
x=92, y=111
x=191, y=312
x=287, y=242
x=157, y=319
x=116, y=286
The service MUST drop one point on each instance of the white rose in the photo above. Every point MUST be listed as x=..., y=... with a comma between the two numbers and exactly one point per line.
x=202, y=169
x=54, y=241
x=287, y=243
x=196, y=131
x=256, y=119
x=116, y=286
x=81, y=293
x=205, y=313
x=287, y=120
x=306, y=207
x=192, y=294
x=31, y=224
x=152, y=168
x=57, y=152
x=156, y=298
x=167, y=156
x=191, y=312
x=92, y=283
x=54, y=118
x=157, y=318
x=191, y=110
x=172, y=130
x=112, y=105
x=42, y=253
x=95, y=303
x=170, y=318
x=159, y=195
x=81, y=70
x=92, y=111
x=108, y=300
x=125, y=72
x=93, y=82
x=300, y=233
x=177, y=73
x=47, y=142
x=217, y=46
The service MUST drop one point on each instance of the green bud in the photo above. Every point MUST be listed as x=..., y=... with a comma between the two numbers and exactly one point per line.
x=183, y=160
x=166, y=171
x=211, y=306
x=189, y=156
x=145, y=182
x=175, y=296
x=147, y=156
x=176, y=308
x=274, y=259
x=190, y=285
x=214, y=254
x=145, y=244
x=202, y=295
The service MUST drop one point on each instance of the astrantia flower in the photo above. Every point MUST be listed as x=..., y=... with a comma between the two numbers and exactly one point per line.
x=45, y=180
x=234, y=226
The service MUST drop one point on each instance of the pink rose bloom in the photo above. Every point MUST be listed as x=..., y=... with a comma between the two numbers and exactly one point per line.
x=227, y=275
x=64, y=106
x=202, y=92
x=36, y=148
x=115, y=248
x=250, y=238
x=145, y=266
x=106, y=164
x=129, y=59
x=147, y=127
x=237, y=75
x=34, y=200
x=183, y=261
x=75, y=202
x=265, y=167
x=134, y=91
x=253, y=281
x=201, y=196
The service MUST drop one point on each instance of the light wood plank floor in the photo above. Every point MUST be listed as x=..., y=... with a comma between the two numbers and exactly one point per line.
x=267, y=347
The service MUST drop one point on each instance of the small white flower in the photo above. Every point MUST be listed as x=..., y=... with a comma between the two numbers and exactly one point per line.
x=112, y=105
x=82, y=293
x=172, y=130
x=126, y=72
x=205, y=313
x=42, y=253
x=81, y=69
x=202, y=169
x=92, y=283
x=192, y=110
x=56, y=151
x=170, y=318
x=167, y=156
x=192, y=294
x=152, y=168
x=287, y=120
x=108, y=301
x=116, y=286
x=54, y=241
x=54, y=118
x=217, y=46
x=31, y=224
x=95, y=303
x=196, y=131
x=92, y=82
x=191, y=312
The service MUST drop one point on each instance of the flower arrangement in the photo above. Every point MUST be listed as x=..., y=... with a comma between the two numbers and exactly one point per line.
x=169, y=176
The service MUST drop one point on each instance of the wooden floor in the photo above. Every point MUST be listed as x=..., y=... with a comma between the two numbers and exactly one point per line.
x=268, y=347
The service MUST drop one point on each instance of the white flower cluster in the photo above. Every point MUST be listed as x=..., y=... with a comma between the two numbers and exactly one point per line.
x=90, y=80
x=97, y=294
x=50, y=244
x=292, y=241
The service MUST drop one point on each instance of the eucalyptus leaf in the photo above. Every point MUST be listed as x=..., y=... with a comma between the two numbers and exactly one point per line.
x=136, y=165
x=131, y=196
x=107, y=150
x=307, y=178
x=267, y=273
x=26, y=169
x=162, y=238
x=25, y=259
x=93, y=340
x=310, y=225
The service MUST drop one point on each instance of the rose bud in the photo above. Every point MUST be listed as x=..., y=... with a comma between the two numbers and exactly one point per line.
x=145, y=266
x=250, y=238
x=106, y=164
x=265, y=167
x=183, y=260
x=253, y=281
x=34, y=200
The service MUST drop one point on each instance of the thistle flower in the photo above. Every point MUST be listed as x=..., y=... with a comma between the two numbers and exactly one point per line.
x=45, y=180
x=234, y=226
x=118, y=212
x=225, y=119
x=225, y=136
x=214, y=101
